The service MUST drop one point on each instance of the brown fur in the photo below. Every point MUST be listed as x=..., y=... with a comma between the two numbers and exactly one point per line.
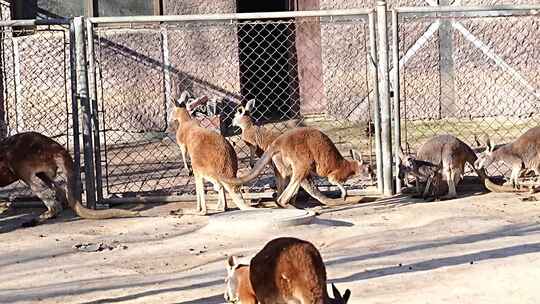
x=305, y=151
x=446, y=154
x=212, y=157
x=258, y=139
x=522, y=153
x=239, y=288
x=286, y=270
x=35, y=158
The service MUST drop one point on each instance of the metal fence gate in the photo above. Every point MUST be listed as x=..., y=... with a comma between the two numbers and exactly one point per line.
x=467, y=71
x=303, y=68
x=37, y=93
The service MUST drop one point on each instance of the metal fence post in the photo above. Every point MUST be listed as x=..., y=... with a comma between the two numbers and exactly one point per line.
x=396, y=90
x=384, y=99
x=82, y=92
x=75, y=111
x=166, y=73
x=92, y=93
x=372, y=61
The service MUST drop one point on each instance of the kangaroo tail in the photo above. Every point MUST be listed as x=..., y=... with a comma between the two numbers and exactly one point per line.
x=65, y=162
x=491, y=186
x=257, y=168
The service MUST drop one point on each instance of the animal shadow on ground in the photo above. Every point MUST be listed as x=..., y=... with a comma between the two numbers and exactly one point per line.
x=13, y=218
x=16, y=217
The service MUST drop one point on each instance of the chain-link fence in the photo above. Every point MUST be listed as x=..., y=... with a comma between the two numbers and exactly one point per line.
x=468, y=73
x=309, y=71
x=35, y=85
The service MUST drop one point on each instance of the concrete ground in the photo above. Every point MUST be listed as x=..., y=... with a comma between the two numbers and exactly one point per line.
x=482, y=248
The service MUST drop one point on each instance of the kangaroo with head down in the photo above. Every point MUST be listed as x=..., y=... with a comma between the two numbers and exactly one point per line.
x=35, y=159
x=522, y=153
x=305, y=151
x=212, y=156
x=445, y=153
x=258, y=139
x=286, y=270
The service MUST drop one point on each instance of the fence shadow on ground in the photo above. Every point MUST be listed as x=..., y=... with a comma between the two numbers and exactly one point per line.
x=432, y=264
x=506, y=231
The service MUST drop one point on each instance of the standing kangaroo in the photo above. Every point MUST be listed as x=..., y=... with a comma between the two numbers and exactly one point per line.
x=524, y=152
x=303, y=151
x=442, y=152
x=212, y=156
x=35, y=158
x=286, y=270
x=258, y=139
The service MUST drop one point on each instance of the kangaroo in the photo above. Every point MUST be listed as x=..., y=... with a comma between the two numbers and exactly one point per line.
x=286, y=270
x=35, y=158
x=303, y=151
x=258, y=139
x=522, y=153
x=442, y=152
x=423, y=172
x=212, y=156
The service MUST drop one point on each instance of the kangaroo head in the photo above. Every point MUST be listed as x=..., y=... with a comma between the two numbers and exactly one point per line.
x=407, y=163
x=485, y=158
x=232, y=290
x=242, y=117
x=338, y=298
x=361, y=167
x=420, y=169
x=185, y=105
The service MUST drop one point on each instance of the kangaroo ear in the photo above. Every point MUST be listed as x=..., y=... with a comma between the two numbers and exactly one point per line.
x=352, y=154
x=336, y=293
x=232, y=261
x=476, y=141
x=181, y=102
x=357, y=156
x=346, y=296
x=489, y=146
x=250, y=104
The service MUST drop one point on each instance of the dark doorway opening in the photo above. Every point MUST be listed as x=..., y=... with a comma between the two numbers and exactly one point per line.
x=268, y=61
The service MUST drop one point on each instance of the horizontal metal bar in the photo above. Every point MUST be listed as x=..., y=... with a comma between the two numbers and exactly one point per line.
x=225, y=17
x=177, y=198
x=10, y=23
x=533, y=8
x=478, y=14
x=370, y=191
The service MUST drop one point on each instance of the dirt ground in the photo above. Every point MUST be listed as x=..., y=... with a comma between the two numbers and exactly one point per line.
x=482, y=248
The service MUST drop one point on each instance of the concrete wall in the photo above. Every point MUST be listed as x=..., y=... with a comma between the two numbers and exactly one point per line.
x=332, y=74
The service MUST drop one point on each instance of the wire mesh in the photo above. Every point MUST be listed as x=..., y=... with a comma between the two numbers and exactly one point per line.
x=35, y=84
x=302, y=71
x=471, y=77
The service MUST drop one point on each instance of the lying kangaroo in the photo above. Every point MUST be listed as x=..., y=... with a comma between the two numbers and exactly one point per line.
x=442, y=152
x=286, y=270
x=35, y=158
x=303, y=151
x=524, y=152
x=258, y=139
x=212, y=156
